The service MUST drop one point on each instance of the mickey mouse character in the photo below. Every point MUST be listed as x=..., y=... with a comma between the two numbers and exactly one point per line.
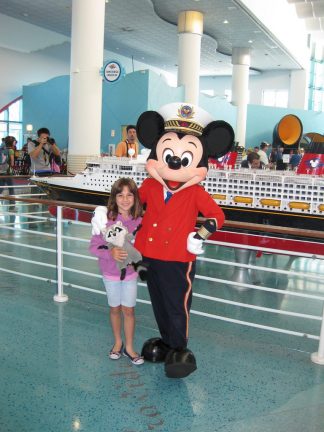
x=181, y=137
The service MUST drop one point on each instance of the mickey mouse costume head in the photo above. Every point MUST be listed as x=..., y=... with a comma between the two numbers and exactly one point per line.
x=181, y=137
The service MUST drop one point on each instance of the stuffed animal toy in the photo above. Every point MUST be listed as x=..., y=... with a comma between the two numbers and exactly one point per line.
x=181, y=138
x=118, y=235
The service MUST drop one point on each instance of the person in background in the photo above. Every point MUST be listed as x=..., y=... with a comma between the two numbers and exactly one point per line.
x=262, y=153
x=124, y=205
x=7, y=161
x=40, y=152
x=252, y=161
x=130, y=143
x=295, y=157
x=256, y=149
x=248, y=151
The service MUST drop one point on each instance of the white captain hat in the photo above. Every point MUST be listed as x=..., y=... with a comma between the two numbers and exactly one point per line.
x=185, y=117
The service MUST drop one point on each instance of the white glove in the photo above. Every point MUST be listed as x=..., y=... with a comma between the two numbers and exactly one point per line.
x=99, y=220
x=194, y=245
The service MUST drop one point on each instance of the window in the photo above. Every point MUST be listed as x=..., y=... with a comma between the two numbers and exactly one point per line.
x=228, y=95
x=275, y=98
x=11, y=121
x=316, y=81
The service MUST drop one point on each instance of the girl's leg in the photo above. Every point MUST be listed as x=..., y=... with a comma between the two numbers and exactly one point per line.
x=128, y=302
x=113, y=289
x=115, y=319
x=129, y=329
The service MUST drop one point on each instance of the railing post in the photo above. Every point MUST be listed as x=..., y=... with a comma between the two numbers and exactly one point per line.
x=318, y=357
x=59, y=296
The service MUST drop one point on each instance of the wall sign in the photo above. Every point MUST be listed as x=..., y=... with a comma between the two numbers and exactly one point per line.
x=112, y=71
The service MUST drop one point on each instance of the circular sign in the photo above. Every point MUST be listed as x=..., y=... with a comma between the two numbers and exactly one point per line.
x=112, y=71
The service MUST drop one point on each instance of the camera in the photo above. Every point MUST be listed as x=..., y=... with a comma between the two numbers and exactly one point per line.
x=51, y=140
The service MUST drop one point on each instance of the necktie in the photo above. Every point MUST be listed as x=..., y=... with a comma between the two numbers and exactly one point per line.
x=168, y=196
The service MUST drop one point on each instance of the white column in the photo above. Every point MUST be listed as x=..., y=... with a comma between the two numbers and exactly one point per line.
x=87, y=41
x=190, y=30
x=240, y=90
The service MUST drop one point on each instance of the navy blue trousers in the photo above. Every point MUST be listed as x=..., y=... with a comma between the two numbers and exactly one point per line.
x=170, y=288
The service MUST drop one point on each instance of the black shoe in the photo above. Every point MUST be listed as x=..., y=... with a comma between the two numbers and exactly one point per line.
x=155, y=350
x=137, y=360
x=179, y=363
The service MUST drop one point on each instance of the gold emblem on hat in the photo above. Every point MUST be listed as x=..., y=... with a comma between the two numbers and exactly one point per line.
x=186, y=112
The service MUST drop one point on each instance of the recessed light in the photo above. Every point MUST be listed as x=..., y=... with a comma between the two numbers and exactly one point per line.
x=250, y=41
x=225, y=22
x=25, y=14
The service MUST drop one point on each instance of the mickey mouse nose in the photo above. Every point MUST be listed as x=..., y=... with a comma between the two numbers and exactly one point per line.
x=174, y=162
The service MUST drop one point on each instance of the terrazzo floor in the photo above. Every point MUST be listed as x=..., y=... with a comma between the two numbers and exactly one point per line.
x=55, y=374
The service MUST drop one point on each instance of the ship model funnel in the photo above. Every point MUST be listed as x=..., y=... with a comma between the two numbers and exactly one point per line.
x=288, y=132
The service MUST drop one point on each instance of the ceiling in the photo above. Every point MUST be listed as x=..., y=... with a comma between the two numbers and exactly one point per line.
x=146, y=30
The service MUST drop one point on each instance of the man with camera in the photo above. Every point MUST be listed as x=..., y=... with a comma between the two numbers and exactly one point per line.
x=43, y=153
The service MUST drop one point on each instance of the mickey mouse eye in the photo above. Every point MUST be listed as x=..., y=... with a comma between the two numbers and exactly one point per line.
x=186, y=159
x=167, y=154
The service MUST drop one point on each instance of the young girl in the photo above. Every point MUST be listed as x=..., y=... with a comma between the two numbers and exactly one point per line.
x=124, y=205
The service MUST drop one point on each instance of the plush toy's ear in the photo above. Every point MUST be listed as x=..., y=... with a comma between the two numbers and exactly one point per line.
x=218, y=138
x=150, y=126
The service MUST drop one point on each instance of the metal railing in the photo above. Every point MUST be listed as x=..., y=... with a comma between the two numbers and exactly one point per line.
x=28, y=220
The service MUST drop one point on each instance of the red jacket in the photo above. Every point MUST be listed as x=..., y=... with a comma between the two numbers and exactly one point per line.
x=165, y=227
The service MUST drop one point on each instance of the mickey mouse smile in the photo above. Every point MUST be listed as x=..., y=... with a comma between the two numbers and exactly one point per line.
x=173, y=185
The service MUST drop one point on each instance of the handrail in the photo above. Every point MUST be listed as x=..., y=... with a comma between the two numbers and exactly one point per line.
x=246, y=226
x=241, y=284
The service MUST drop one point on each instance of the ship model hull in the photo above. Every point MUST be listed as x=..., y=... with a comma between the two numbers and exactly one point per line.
x=262, y=197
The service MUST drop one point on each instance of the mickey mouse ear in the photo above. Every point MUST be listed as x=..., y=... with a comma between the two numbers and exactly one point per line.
x=219, y=138
x=150, y=126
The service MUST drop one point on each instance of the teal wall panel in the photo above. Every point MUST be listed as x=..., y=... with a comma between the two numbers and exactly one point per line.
x=47, y=105
x=261, y=121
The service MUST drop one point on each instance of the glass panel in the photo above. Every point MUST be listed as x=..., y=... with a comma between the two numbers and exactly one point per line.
x=15, y=129
x=269, y=97
x=3, y=130
x=282, y=99
x=4, y=115
x=15, y=111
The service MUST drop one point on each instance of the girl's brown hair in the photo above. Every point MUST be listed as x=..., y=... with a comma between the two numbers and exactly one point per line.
x=137, y=209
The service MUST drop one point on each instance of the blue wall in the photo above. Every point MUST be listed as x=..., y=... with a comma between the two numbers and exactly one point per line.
x=261, y=121
x=160, y=93
x=47, y=104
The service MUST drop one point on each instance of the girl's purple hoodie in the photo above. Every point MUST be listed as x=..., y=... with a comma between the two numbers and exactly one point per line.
x=107, y=264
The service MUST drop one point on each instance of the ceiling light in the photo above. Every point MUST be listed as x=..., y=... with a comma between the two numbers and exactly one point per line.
x=250, y=41
x=25, y=14
x=225, y=22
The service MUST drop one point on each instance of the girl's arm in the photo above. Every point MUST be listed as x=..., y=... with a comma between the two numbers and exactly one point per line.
x=117, y=253
x=95, y=242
